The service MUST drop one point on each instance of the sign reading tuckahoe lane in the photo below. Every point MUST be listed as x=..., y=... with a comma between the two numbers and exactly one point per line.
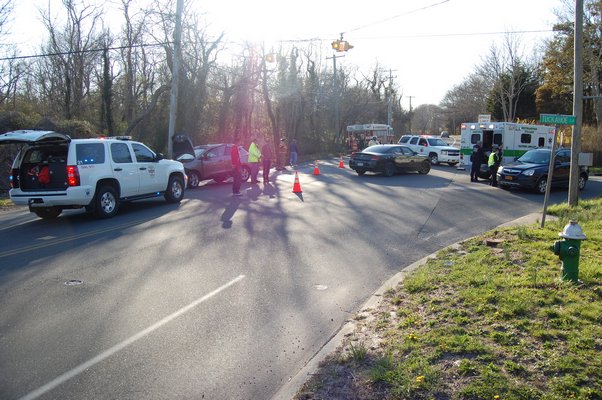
x=557, y=119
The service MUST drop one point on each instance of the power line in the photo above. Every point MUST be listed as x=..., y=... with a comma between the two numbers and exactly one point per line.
x=434, y=35
x=396, y=16
x=429, y=35
x=65, y=53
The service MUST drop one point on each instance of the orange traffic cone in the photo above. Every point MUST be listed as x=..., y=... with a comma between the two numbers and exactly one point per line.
x=297, y=185
x=316, y=169
x=341, y=163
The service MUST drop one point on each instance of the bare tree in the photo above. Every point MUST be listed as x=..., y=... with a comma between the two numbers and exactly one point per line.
x=464, y=102
x=6, y=8
x=427, y=119
x=66, y=74
x=505, y=70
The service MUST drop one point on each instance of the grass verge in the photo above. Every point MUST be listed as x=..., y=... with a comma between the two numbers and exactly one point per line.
x=482, y=322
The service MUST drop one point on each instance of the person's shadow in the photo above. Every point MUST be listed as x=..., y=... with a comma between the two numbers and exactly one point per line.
x=269, y=189
x=229, y=212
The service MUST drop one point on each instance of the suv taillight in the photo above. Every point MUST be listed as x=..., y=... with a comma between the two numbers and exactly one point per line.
x=14, y=178
x=72, y=175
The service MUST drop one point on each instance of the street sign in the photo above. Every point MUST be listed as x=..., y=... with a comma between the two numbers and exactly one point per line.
x=484, y=118
x=557, y=119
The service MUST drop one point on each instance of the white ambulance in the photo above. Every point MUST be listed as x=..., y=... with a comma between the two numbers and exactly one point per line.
x=515, y=139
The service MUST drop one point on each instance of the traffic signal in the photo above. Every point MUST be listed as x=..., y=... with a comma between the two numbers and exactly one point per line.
x=341, y=46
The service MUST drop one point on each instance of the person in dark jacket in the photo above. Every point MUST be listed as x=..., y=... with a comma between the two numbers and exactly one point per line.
x=266, y=156
x=476, y=158
x=236, y=166
x=294, y=152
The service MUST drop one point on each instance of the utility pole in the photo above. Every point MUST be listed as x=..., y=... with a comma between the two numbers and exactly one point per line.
x=337, y=117
x=389, y=103
x=410, y=114
x=577, y=105
x=173, y=101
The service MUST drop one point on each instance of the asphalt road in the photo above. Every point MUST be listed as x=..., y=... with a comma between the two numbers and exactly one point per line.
x=219, y=297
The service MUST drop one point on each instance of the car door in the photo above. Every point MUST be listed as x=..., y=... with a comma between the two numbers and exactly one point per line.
x=401, y=161
x=422, y=146
x=562, y=167
x=151, y=178
x=413, y=159
x=213, y=162
x=124, y=169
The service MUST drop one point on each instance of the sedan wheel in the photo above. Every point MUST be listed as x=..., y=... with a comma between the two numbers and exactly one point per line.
x=425, y=168
x=193, y=179
x=389, y=169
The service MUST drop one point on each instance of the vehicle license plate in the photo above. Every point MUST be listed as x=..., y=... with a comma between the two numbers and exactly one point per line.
x=361, y=164
x=508, y=178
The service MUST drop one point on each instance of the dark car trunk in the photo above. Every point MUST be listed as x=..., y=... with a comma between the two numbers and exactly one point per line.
x=43, y=168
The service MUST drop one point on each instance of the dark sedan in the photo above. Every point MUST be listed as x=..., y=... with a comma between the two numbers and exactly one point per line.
x=389, y=159
x=530, y=171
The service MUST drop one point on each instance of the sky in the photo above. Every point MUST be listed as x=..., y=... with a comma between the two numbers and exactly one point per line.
x=428, y=46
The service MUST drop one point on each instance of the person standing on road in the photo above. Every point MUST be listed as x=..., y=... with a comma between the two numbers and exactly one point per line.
x=476, y=158
x=294, y=152
x=495, y=159
x=266, y=156
x=254, y=157
x=373, y=141
x=236, y=166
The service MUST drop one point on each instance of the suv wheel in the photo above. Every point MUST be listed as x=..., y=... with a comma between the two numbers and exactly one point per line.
x=48, y=212
x=245, y=173
x=106, y=202
x=175, y=189
x=541, y=185
x=193, y=179
x=434, y=158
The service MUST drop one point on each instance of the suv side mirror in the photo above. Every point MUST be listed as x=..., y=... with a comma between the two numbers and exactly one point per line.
x=159, y=157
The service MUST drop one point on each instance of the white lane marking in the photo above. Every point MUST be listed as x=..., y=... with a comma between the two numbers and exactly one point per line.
x=120, y=346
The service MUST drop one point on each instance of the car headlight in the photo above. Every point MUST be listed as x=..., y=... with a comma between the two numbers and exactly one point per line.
x=529, y=172
x=443, y=152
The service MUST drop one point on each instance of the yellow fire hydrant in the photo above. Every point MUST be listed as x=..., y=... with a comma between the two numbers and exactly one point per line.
x=568, y=250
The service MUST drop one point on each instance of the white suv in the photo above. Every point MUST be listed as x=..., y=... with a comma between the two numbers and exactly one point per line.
x=435, y=148
x=53, y=172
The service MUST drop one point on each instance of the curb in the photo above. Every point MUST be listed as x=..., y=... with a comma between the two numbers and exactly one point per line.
x=292, y=387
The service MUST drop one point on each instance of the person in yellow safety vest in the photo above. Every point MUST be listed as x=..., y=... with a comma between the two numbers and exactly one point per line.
x=254, y=157
x=495, y=159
